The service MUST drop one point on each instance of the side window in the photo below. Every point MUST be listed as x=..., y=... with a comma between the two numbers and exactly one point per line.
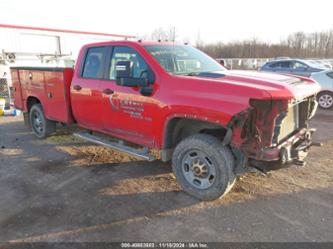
x=122, y=53
x=285, y=64
x=299, y=65
x=272, y=65
x=93, y=64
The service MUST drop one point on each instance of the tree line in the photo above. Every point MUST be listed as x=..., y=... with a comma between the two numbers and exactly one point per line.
x=299, y=44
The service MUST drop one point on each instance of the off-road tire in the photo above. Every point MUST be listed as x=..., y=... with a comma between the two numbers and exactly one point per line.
x=45, y=127
x=220, y=156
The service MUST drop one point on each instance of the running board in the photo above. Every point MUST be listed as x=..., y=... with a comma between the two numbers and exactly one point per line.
x=119, y=146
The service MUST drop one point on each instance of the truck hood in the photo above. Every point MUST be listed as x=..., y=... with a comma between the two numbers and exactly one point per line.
x=230, y=92
x=278, y=86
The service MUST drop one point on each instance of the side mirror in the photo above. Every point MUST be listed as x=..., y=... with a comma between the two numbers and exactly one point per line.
x=124, y=69
x=124, y=75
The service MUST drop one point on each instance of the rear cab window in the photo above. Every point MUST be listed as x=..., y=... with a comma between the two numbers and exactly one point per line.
x=94, y=63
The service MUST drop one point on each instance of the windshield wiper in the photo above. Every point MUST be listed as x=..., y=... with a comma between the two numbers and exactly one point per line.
x=209, y=74
x=190, y=74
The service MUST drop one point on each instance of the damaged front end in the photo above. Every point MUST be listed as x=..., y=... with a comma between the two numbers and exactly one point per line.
x=273, y=133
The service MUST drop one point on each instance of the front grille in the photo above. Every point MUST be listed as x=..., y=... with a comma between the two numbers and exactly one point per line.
x=286, y=123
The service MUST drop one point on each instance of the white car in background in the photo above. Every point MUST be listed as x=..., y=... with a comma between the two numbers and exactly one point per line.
x=325, y=63
x=325, y=96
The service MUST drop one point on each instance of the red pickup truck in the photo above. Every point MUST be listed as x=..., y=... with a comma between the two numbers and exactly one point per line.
x=213, y=124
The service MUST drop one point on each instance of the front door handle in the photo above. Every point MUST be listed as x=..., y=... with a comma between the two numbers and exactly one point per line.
x=77, y=87
x=108, y=91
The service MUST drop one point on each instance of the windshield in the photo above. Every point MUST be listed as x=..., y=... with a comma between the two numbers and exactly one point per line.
x=183, y=60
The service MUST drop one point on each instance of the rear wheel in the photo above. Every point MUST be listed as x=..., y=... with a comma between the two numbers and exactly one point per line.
x=325, y=100
x=41, y=126
x=203, y=167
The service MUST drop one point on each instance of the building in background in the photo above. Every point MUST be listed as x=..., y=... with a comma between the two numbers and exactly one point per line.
x=37, y=46
x=41, y=47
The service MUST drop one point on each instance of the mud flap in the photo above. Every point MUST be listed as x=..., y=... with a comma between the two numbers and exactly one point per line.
x=26, y=119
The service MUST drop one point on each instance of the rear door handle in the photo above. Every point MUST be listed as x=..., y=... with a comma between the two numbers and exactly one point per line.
x=108, y=91
x=77, y=87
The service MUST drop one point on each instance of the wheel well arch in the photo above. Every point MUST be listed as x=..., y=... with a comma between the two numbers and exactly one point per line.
x=179, y=128
x=31, y=100
x=325, y=91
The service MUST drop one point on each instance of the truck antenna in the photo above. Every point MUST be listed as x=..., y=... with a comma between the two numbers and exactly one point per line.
x=174, y=35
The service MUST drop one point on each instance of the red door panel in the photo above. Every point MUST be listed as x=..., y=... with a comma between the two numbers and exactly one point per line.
x=85, y=99
x=85, y=89
x=128, y=114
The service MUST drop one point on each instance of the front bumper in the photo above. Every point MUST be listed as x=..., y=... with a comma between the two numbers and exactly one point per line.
x=292, y=151
x=290, y=148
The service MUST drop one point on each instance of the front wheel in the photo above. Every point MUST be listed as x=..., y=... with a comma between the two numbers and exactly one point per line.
x=203, y=167
x=325, y=100
x=41, y=126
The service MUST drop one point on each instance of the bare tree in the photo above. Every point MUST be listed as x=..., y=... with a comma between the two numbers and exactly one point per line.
x=299, y=44
x=164, y=34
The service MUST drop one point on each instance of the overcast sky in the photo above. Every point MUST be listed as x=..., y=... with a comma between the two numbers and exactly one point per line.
x=215, y=20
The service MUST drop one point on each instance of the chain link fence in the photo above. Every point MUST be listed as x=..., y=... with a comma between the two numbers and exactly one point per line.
x=6, y=91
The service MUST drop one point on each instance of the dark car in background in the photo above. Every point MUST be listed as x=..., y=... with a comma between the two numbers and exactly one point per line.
x=293, y=66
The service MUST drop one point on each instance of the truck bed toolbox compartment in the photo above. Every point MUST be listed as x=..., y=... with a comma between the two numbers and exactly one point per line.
x=50, y=85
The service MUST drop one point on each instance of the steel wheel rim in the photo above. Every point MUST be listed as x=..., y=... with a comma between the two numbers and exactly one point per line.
x=37, y=122
x=325, y=101
x=198, y=169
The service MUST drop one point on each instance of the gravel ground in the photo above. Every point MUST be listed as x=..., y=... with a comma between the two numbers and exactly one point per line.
x=64, y=189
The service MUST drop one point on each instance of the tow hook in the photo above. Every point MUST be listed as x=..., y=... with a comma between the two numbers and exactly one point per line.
x=318, y=144
x=299, y=162
x=305, y=147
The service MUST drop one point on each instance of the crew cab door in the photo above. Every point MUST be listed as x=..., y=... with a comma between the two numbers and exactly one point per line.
x=127, y=113
x=86, y=89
